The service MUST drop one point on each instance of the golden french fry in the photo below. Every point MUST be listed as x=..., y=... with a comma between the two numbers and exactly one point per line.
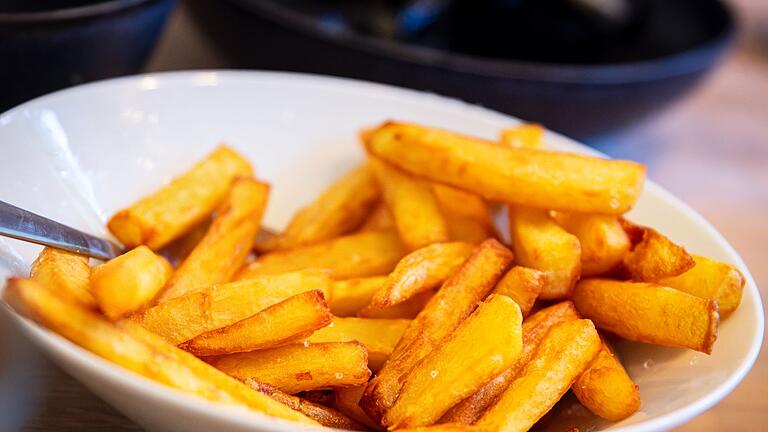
x=341, y=208
x=562, y=356
x=129, y=282
x=413, y=205
x=421, y=270
x=187, y=200
x=528, y=135
x=328, y=417
x=352, y=295
x=369, y=253
x=535, y=328
x=647, y=312
x=347, y=401
x=65, y=273
x=711, y=279
x=603, y=240
x=291, y=320
x=606, y=389
x=183, y=318
x=301, y=367
x=539, y=243
x=405, y=310
x=138, y=351
x=378, y=335
x=450, y=372
x=535, y=178
x=445, y=311
x=523, y=285
x=380, y=218
x=655, y=256
x=467, y=214
x=226, y=244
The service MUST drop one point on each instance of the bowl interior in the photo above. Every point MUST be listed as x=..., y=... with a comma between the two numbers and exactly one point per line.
x=79, y=155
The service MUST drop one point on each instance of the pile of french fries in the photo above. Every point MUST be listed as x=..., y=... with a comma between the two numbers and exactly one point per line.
x=391, y=302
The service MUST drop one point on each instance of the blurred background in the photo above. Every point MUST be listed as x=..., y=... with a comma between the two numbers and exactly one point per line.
x=680, y=85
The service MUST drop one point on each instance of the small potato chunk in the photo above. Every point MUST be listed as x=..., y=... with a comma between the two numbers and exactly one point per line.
x=539, y=243
x=347, y=401
x=65, y=273
x=413, y=205
x=562, y=356
x=378, y=335
x=528, y=135
x=370, y=253
x=523, y=285
x=603, y=241
x=129, y=282
x=288, y=321
x=187, y=200
x=711, y=279
x=451, y=372
x=650, y=313
x=606, y=389
x=655, y=257
x=467, y=214
x=301, y=367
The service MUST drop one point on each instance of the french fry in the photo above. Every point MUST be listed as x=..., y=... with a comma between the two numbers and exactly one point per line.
x=450, y=372
x=535, y=178
x=66, y=273
x=523, y=285
x=379, y=219
x=187, y=200
x=562, y=356
x=300, y=367
x=379, y=336
x=647, y=312
x=370, y=253
x=606, y=389
x=603, y=241
x=711, y=279
x=408, y=309
x=347, y=401
x=413, y=205
x=528, y=135
x=655, y=256
x=320, y=413
x=535, y=328
x=421, y=270
x=340, y=209
x=138, y=351
x=290, y=320
x=467, y=214
x=226, y=244
x=445, y=311
x=352, y=295
x=539, y=243
x=129, y=282
x=183, y=318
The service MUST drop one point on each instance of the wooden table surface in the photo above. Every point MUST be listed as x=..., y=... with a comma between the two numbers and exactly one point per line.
x=710, y=149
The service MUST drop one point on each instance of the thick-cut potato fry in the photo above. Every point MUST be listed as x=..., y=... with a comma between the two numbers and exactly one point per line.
x=183, y=318
x=288, y=321
x=445, y=311
x=451, y=372
x=129, y=282
x=711, y=279
x=159, y=218
x=562, y=356
x=328, y=417
x=535, y=328
x=606, y=389
x=529, y=135
x=347, y=401
x=535, y=178
x=352, y=295
x=341, y=208
x=655, y=257
x=65, y=273
x=467, y=214
x=226, y=244
x=413, y=205
x=137, y=350
x=300, y=367
x=421, y=270
x=378, y=335
x=406, y=310
x=603, y=240
x=380, y=218
x=523, y=285
x=647, y=312
x=370, y=253
x=540, y=243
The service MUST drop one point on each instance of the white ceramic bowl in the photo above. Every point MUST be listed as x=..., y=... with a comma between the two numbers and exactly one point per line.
x=80, y=154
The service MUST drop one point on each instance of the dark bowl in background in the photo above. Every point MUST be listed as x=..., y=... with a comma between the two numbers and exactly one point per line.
x=43, y=51
x=579, y=99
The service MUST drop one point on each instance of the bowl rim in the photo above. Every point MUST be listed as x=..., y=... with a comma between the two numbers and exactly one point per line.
x=60, y=346
x=103, y=7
